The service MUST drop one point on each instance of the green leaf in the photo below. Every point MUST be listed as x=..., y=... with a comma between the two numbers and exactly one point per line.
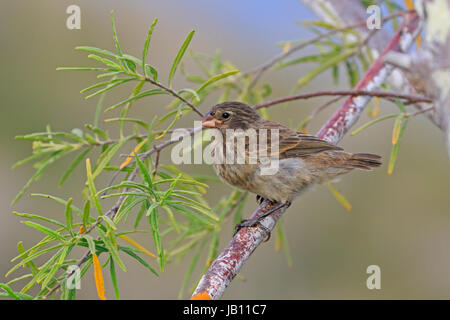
x=310, y=75
x=58, y=200
x=352, y=71
x=109, y=222
x=105, y=61
x=91, y=243
x=179, y=56
x=35, y=216
x=137, y=97
x=370, y=123
x=146, y=176
x=192, y=214
x=83, y=69
x=335, y=72
x=395, y=148
x=150, y=70
x=397, y=128
x=56, y=266
x=191, y=268
x=147, y=44
x=215, y=79
x=131, y=66
x=112, y=271
x=32, y=256
x=313, y=58
x=153, y=219
x=9, y=291
x=25, y=276
x=96, y=50
x=31, y=158
x=401, y=106
x=102, y=134
x=284, y=242
x=172, y=218
x=69, y=216
x=112, y=249
x=45, y=230
x=191, y=91
x=86, y=211
x=50, y=136
x=39, y=172
x=214, y=244
x=109, y=87
x=111, y=74
x=107, y=156
x=30, y=265
x=125, y=209
x=139, y=259
x=140, y=214
x=91, y=187
x=116, y=40
x=138, y=121
x=73, y=165
x=42, y=272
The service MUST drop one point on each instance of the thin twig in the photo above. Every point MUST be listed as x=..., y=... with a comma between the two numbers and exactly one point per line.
x=176, y=95
x=316, y=111
x=380, y=94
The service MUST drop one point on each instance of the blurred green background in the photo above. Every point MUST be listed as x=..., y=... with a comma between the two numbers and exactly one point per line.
x=399, y=222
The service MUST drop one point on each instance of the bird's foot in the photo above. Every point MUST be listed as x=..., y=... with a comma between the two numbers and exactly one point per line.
x=259, y=199
x=246, y=223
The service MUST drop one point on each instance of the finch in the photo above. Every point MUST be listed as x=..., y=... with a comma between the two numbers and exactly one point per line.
x=303, y=160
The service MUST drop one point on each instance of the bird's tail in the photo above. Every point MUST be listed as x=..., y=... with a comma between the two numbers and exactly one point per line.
x=365, y=161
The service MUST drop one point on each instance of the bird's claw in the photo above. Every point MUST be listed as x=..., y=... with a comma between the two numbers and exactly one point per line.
x=259, y=199
x=257, y=221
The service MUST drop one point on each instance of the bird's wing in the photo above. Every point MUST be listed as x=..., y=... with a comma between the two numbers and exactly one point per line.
x=293, y=144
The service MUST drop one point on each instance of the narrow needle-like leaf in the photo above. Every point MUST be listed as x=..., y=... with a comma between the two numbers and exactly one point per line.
x=179, y=56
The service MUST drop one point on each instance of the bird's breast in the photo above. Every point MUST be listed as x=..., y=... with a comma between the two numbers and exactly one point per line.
x=290, y=177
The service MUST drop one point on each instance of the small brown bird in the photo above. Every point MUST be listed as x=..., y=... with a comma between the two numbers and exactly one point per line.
x=304, y=160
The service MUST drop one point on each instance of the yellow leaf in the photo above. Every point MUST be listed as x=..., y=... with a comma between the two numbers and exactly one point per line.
x=138, y=147
x=410, y=5
x=137, y=245
x=99, y=284
x=340, y=198
x=397, y=129
x=286, y=47
x=278, y=243
x=376, y=108
x=201, y=296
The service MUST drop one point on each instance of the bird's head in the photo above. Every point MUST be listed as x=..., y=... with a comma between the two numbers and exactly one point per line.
x=231, y=115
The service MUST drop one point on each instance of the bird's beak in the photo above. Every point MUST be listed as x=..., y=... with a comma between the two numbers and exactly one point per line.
x=209, y=121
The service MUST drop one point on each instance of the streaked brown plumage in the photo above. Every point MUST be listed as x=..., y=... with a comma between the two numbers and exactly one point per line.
x=305, y=160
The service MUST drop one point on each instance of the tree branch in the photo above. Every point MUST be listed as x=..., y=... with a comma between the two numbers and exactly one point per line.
x=228, y=264
x=354, y=93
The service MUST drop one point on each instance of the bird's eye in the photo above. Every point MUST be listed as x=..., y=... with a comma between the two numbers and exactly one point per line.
x=225, y=115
